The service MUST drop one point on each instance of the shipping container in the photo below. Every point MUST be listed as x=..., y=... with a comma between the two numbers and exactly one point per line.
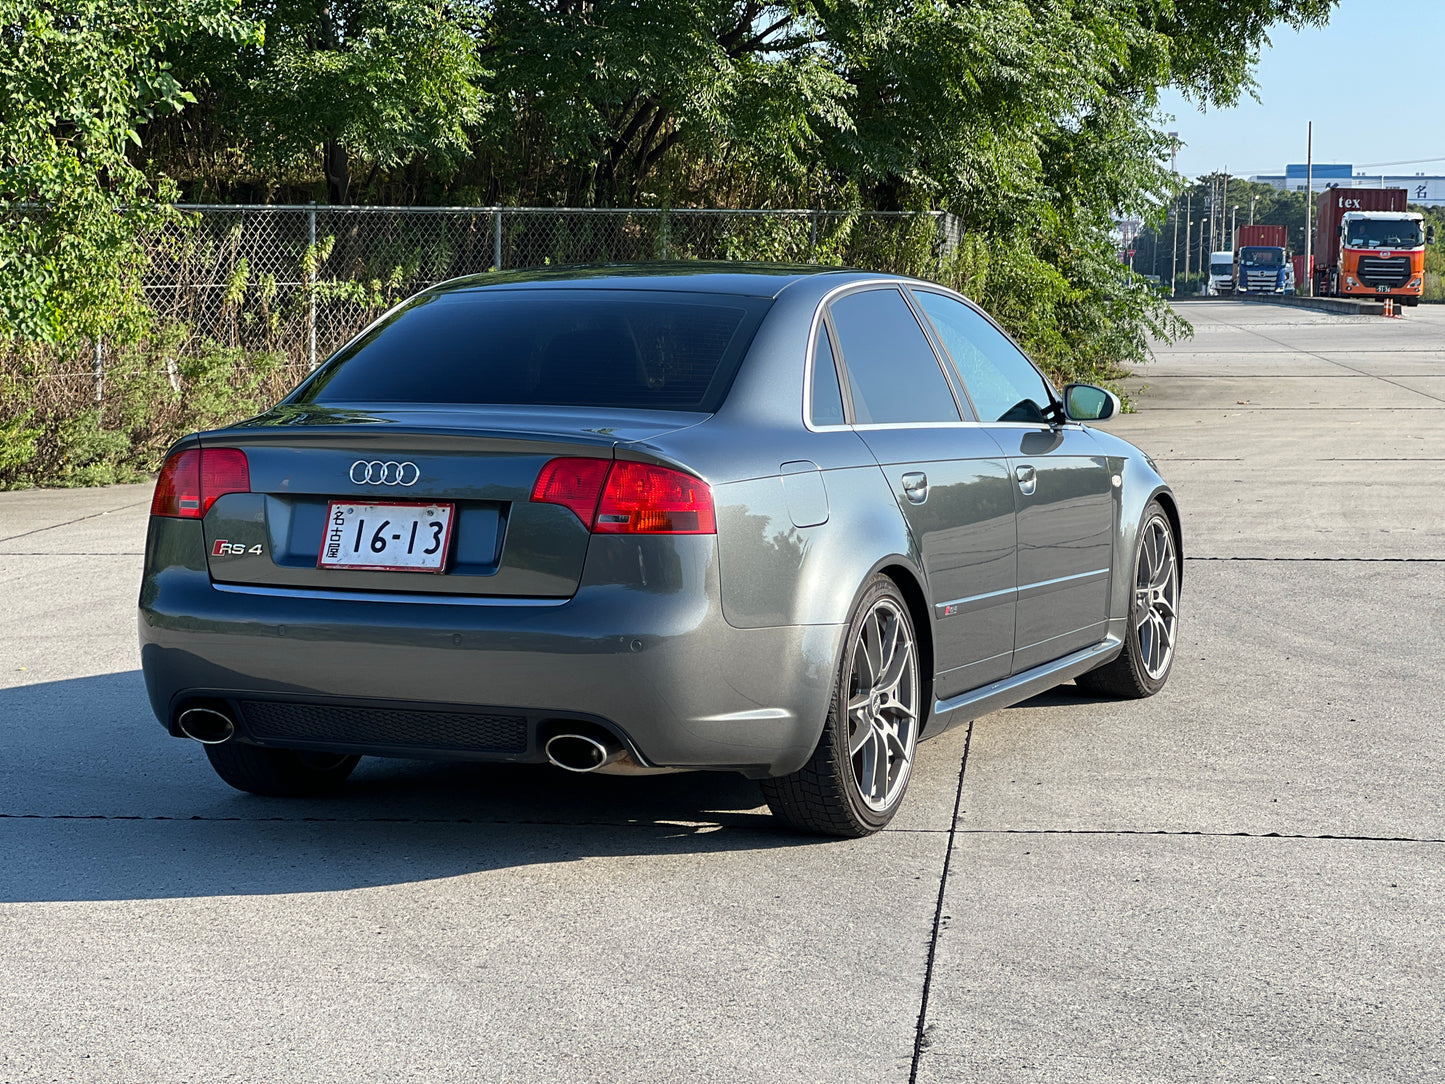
x=1270, y=236
x=1301, y=271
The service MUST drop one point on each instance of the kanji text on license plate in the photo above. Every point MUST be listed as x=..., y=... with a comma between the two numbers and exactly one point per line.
x=394, y=537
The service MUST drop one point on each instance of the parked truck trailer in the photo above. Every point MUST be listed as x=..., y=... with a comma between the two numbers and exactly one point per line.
x=1368, y=245
x=1261, y=265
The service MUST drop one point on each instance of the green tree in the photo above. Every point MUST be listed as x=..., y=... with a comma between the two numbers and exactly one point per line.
x=341, y=92
x=77, y=81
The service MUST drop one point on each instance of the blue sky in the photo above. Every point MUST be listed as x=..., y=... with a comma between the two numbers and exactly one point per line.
x=1320, y=75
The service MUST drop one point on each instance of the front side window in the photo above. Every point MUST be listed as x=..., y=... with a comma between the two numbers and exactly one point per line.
x=893, y=373
x=1003, y=384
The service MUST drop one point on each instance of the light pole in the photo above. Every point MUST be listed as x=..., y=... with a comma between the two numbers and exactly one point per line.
x=1251, y=209
x=1174, y=260
x=1203, y=280
x=1188, y=225
x=1233, y=226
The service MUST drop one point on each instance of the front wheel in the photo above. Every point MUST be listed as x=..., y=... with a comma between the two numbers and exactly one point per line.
x=279, y=773
x=856, y=778
x=1142, y=668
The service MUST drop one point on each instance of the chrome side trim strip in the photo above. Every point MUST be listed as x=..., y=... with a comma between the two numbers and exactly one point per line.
x=1043, y=587
x=392, y=597
x=972, y=602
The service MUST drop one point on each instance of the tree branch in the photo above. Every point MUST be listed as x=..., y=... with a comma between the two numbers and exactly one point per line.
x=758, y=40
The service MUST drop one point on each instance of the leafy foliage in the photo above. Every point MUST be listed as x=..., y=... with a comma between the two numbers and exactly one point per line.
x=1035, y=122
x=376, y=83
x=77, y=81
x=52, y=432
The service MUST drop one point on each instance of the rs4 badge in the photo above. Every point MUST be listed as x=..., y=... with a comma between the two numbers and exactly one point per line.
x=223, y=548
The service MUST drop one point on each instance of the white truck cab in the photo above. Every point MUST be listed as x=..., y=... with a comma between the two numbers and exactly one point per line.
x=1221, y=273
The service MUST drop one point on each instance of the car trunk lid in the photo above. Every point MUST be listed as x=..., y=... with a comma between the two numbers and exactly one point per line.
x=309, y=464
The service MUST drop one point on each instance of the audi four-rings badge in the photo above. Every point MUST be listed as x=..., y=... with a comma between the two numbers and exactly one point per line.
x=390, y=473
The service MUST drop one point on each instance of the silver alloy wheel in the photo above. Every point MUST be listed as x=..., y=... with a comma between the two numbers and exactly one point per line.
x=882, y=705
x=1156, y=597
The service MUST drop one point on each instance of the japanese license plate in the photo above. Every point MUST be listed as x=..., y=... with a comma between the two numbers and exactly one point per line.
x=391, y=537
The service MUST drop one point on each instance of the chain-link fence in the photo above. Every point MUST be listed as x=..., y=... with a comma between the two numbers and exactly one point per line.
x=299, y=281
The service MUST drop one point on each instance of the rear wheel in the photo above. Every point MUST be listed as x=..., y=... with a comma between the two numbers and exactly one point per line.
x=279, y=773
x=1142, y=668
x=856, y=778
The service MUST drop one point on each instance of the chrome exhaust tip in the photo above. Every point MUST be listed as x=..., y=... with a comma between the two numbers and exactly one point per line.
x=581, y=752
x=205, y=726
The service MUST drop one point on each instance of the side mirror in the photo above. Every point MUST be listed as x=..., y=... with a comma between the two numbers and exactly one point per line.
x=1086, y=403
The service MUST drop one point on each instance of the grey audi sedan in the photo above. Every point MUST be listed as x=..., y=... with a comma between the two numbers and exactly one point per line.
x=783, y=521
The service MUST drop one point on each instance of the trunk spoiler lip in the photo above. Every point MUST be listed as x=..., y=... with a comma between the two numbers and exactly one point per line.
x=586, y=425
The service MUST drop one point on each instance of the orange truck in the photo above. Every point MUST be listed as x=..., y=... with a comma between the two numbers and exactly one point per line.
x=1368, y=245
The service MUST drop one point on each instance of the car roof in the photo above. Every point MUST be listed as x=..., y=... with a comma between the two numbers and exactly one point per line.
x=690, y=276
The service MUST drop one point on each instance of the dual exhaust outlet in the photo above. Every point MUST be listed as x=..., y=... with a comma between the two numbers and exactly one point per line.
x=571, y=752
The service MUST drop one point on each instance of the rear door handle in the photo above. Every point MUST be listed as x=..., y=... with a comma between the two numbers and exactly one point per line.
x=1028, y=479
x=915, y=486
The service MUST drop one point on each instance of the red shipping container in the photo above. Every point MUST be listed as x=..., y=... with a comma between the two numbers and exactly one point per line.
x=1266, y=236
x=1301, y=272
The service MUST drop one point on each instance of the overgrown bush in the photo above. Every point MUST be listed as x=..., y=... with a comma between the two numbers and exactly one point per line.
x=53, y=432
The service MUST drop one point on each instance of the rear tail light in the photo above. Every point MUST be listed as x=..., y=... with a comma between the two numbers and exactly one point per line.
x=626, y=497
x=574, y=483
x=643, y=499
x=190, y=481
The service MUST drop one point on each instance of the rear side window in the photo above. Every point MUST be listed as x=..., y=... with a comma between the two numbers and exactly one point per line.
x=892, y=371
x=596, y=348
x=827, y=398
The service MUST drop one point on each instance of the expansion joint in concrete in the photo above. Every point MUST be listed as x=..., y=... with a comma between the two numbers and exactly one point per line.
x=1331, y=560
x=1322, y=836
x=919, y=1036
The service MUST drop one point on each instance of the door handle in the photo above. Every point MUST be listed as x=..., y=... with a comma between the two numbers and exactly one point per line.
x=1028, y=479
x=915, y=486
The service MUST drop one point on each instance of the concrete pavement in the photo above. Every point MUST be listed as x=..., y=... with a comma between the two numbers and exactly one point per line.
x=1236, y=880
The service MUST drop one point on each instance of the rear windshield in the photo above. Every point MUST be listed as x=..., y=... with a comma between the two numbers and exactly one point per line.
x=554, y=347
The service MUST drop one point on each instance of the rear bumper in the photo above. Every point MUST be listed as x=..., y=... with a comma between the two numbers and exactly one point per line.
x=653, y=661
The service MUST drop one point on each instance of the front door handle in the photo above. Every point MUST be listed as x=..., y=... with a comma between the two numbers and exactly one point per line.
x=915, y=486
x=1028, y=479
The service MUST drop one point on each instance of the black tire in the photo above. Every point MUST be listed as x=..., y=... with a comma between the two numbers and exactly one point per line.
x=1143, y=667
x=279, y=773
x=845, y=789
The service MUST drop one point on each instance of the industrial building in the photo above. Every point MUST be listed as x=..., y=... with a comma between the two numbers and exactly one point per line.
x=1428, y=191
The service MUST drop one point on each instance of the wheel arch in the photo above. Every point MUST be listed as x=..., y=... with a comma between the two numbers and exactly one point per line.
x=906, y=579
x=1167, y=502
